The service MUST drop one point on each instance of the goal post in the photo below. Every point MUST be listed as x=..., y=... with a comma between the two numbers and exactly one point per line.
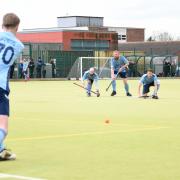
x=101, y=64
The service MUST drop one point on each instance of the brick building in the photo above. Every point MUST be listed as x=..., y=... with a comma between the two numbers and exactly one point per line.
x=82, y=33
x=71, y=39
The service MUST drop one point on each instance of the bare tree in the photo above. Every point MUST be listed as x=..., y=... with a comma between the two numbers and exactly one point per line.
x=178, y=38
x=161, y=36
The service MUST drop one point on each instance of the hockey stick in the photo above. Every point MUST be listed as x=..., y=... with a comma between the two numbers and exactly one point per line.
x=85, y=88
x=111, y=82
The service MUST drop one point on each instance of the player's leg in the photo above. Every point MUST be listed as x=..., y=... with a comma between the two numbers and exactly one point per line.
x=146, y=89
x=114, y=85
x=97, y=87
x=154, y=95
x=4, y=114
x=3, y=130
x=27, y=74
x=126, y=85
x=89, y=87
x=114, y=88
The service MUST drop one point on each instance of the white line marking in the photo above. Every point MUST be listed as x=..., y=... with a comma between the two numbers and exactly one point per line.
x=84, y=134
x=2, y=175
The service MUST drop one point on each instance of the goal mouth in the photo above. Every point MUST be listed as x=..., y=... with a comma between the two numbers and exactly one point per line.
x=102, y=67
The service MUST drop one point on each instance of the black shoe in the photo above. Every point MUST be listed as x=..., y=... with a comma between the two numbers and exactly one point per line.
x=98, y=94
x=155, y=97
x=113, y=93
x=88, y=94
x=145, y=97
x=128, y=94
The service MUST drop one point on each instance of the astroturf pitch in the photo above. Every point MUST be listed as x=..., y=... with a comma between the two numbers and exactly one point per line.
x=60, y=134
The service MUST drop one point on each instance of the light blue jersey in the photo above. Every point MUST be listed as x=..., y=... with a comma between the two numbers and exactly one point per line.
x=25, y=65
x=145, y=80
x=117, y=64
x=89, y=76
x=10, y=50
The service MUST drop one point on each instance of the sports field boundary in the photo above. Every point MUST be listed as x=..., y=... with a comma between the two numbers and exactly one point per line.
x=5, y=176
x=74, y=79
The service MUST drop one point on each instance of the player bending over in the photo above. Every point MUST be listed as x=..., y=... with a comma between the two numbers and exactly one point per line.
x=91, y=77
x=147, y=80
x=10, y=49
x=119, y=64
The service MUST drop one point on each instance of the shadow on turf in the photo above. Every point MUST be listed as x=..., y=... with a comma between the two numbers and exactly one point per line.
x=132, y=97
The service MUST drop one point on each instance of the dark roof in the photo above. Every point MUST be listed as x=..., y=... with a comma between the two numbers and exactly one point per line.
x=155, y=48
x=80, y=16
x=125, y=27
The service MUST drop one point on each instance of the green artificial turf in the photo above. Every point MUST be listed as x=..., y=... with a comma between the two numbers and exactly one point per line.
x=60, y=134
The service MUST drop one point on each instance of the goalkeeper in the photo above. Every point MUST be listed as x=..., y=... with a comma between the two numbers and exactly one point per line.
x=91, y=77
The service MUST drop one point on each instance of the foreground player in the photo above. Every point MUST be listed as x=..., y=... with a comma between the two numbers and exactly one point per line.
x=147, y=80
x=119, y=64
x=91, y=77
x=10, y=49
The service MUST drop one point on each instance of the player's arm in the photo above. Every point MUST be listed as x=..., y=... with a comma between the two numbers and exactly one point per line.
x=139, y=89
x=155, y=84
x=126, y=64
x=84, y=78
x=113, y=77
x=140, y=85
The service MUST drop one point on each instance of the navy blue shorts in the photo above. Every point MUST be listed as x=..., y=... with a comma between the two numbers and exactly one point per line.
x=146, y=87
x=4, y=104
x=121, y=74
x=90, y=81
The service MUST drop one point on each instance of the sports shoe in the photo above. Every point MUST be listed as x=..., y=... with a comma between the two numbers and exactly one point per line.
x=88, y=94
x=128, y=94
x=113, y=93
x=145, y=96
x=155, y=97
x=98, y=94
x=7, y=155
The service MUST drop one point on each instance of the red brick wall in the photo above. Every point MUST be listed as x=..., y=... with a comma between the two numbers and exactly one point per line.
x=42, y=37
x=135, y=35
x=68, y=36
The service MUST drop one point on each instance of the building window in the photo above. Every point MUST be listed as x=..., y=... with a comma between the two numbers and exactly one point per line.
x=90, y=44
x=121, y=37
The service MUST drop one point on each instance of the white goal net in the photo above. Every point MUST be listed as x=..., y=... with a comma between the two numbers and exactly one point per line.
x=101, y=64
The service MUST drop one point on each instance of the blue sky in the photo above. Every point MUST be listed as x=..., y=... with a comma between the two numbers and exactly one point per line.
x=154, y=15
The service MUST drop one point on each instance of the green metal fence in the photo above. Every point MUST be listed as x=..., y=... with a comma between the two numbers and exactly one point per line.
x=66, y=59
x=161, y=65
